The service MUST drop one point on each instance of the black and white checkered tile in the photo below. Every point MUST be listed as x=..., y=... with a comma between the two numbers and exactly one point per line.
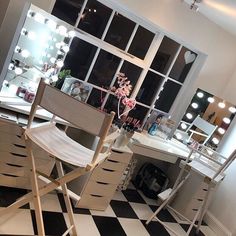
x=126, y=215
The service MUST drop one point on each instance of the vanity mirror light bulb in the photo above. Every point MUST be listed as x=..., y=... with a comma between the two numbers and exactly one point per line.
x=189, y=116
x=11, y=66
x=51, y=24
x=194, y=105
x=30, y=13
x=39, y=18
x=232, y=109
x=183, y=126
x=25, y=53
x=62, y=30
x=5, y=83
x=179, y=136
x=52, y=60
x=17, y=49
x=23, y=31
x=226, y=120
x=60, y=63
x=210, y=99
x=200, y=94
x=71, y=34
x=54, y=78
x=221, y=130
x=66, y=48
x=221, y=105
x=18, y=71
x=215, y=141
x=31, y=35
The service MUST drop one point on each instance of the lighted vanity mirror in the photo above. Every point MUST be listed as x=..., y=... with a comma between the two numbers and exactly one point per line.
x=208, y=112
x=43, y=41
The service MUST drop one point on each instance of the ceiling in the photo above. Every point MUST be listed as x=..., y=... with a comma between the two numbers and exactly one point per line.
x=222, y=12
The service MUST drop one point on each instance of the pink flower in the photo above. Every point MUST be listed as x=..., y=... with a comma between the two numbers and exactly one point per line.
x=129, y=102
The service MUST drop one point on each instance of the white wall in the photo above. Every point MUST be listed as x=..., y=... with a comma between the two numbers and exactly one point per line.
x=218, y=76
x=3, y=8
x=197, y=30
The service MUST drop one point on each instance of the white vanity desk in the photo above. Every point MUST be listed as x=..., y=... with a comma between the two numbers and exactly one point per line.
x=157, y=148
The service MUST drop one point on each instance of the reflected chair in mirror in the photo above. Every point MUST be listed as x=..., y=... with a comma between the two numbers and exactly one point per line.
x=64, y=150
x=203, y=129
x=210, y=167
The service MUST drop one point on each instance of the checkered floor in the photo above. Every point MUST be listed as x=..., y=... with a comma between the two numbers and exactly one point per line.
x=126, y=215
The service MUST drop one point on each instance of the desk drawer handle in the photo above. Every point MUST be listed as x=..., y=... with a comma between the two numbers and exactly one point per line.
x=18, y=155
x=108, y=170
x=116, y=151
x=18, y=145
x=94, y=195
x=102, y=183
x=113, y=161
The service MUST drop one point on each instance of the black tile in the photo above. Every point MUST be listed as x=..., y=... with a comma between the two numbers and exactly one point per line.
x=75, y=209
x=132, y=195
x=155, y=229
x=193, y=231
x=164, y=215
x=123, y=209
x=108, y=226
x=10, y=195
x=54, y=223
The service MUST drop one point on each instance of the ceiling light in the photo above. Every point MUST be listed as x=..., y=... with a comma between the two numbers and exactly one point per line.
x=200, y=94
x=232, y=109
x=189, y=116
x=221, y=105
x=221, y=130
x=210, y=99
x=226, y=120
x=215, y=141
x=194, y=105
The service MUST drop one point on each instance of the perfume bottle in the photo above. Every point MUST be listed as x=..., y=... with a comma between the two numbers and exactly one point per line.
x=153, y=129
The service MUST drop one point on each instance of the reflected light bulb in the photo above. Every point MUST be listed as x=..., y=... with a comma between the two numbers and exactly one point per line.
x=232, y=109
x=23, y=31
x=54, y=78
x=17, y=49
x=221, y=105
x=62, y=30
x=25, y=53
x=52, y=60
x=221, y=130
x=183, y=126
x=215, y=141
x=39, y=18
x=18, y=71
x=226, y=120
x=200, y=94
x=60, y=63
x=71, y=34
x=194, y=105
x=189, y=116
x=178, y=136
x=51, y=24
x=11, y=66
x=66, y=48
x=210, y=99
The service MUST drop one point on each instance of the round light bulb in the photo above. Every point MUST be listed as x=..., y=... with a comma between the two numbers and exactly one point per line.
x=60, y=63
x=210, y=99
x=194, y=105
x=71, y=34
x=200, y=94
x=179, y=136
x=232, y=109
x=183, y=126
x=23, y=31
x=221, y=130
x=189, y=116
x=52, y=60
x=18, y=71
x=62, y=30
x=226, y=120
x=51, y=24
x=11, y=66
x=54, y=78
x=25, y=53
x=17, y=49
x=221, y=105
x=65, y=48
x=215, y=141
x=31, y=35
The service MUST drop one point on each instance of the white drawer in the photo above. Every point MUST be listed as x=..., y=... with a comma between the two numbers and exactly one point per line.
x=93, y=202
x=100, y=188
x=106, y=175
x=123, y=157
x=113, y=165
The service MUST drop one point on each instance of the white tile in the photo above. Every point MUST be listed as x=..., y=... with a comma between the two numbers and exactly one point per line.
x=207, y=231
x=49, y=202
x=85, y=225
x=19, y=222
x=119, y=196
x=108, y=212
x=176, y=228
x=143, y=211
x=133, y=227
x=149, y=201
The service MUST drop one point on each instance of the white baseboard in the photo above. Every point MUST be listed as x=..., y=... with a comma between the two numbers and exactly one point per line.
x=216, y=225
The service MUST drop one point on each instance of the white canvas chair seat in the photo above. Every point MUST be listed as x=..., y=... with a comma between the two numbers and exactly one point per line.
x=62, y=147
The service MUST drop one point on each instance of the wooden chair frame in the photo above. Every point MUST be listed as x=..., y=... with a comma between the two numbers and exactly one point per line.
x=42, y=99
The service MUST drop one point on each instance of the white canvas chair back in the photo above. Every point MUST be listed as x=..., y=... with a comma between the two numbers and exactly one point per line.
x=79, y=114
x=204, y=126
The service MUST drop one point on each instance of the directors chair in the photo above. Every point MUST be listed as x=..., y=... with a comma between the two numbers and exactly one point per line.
x=61, y=148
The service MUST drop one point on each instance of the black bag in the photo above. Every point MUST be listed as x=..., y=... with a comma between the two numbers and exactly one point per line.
x=151, y=180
